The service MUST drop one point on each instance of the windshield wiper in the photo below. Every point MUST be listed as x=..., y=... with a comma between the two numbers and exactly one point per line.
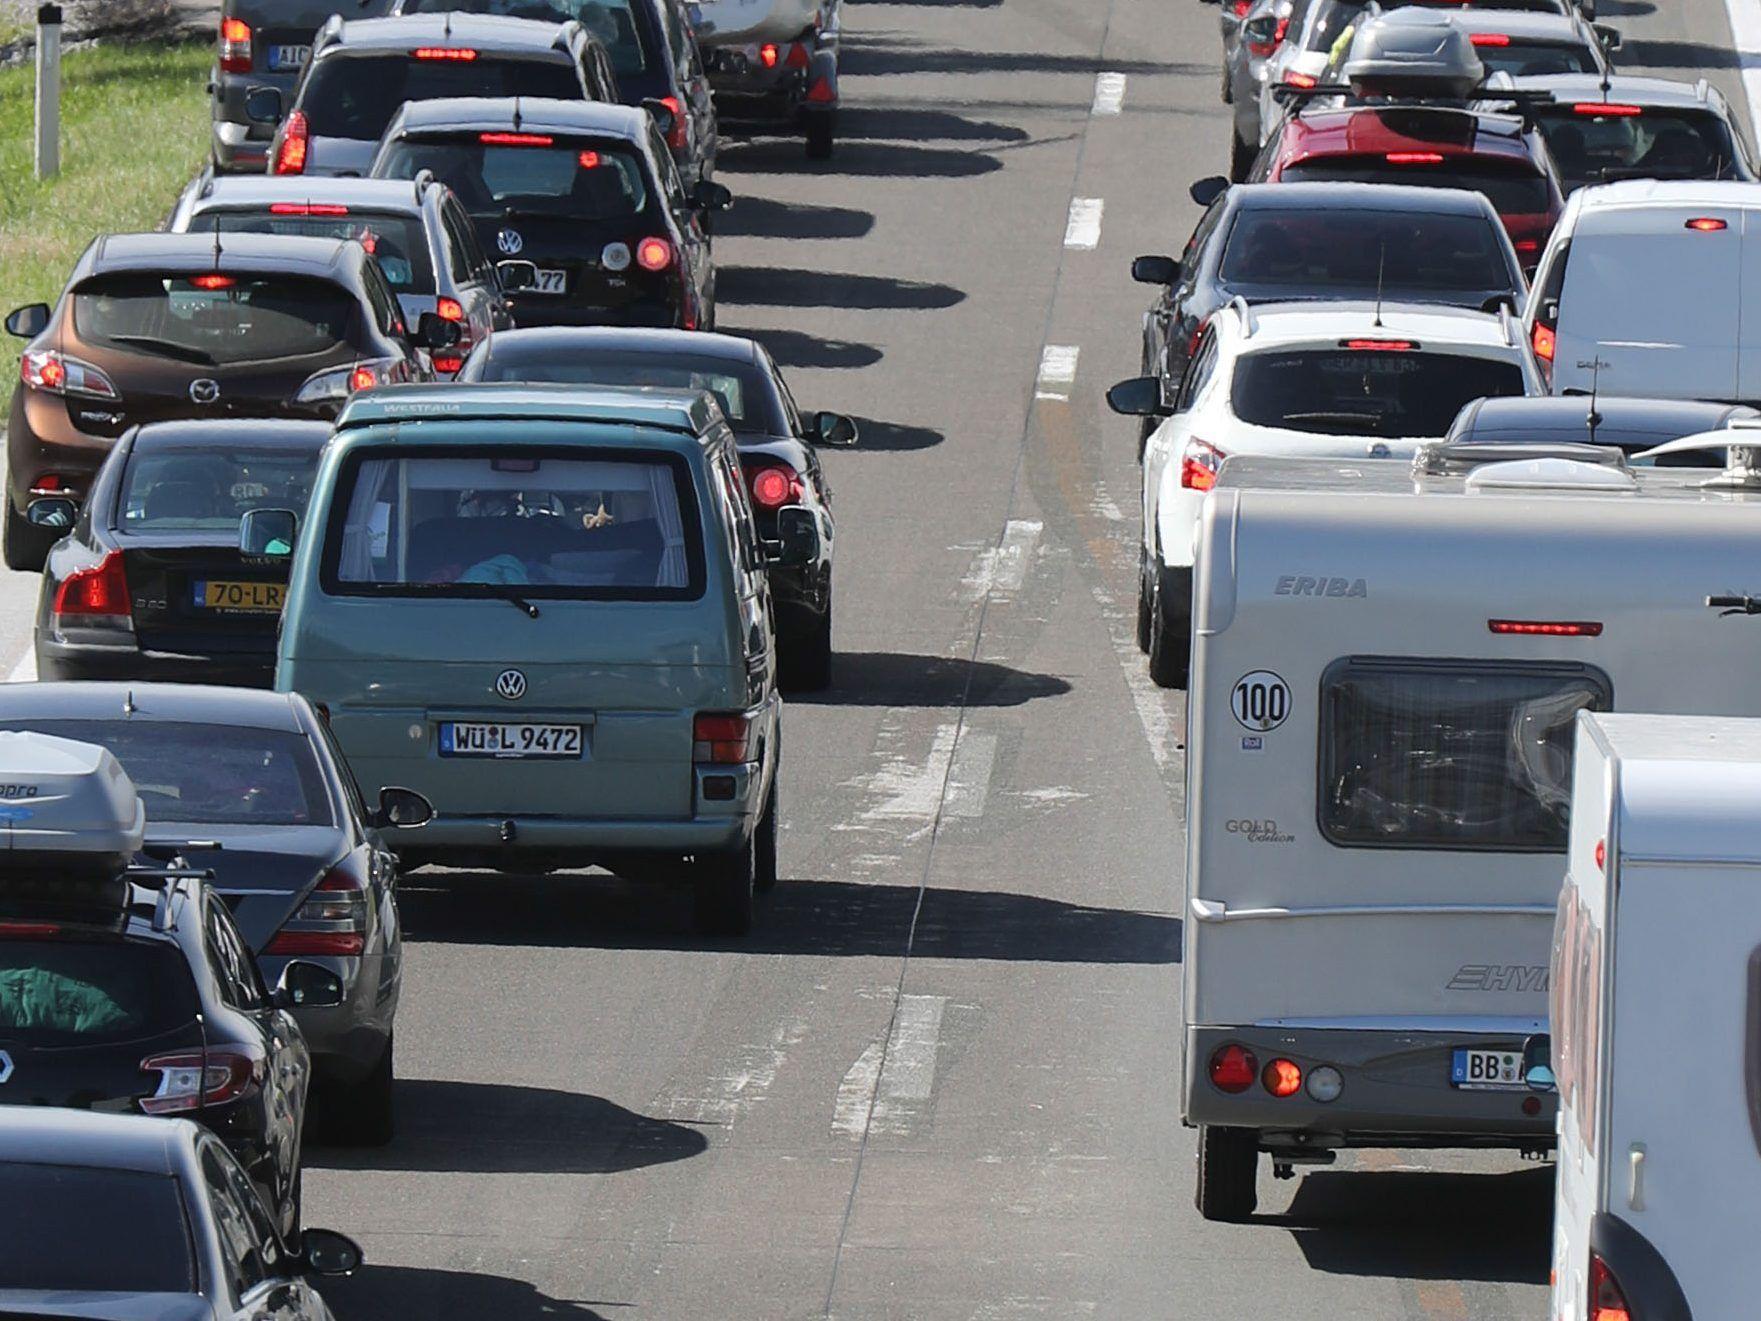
x=170, y=348
x=521, y=603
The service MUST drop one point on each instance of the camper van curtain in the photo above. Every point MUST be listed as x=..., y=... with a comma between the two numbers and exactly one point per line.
x=1458, y=755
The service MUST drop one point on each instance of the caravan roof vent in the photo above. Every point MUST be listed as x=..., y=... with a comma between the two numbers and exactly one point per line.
x=67, y=806
x=1549, y=474
x=1413, y=52
x=1741, y=441
x=1437, y=458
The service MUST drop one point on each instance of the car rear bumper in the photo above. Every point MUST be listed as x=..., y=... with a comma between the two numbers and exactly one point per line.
x=1396, y=1090
x=63, y=660
x=533, y=312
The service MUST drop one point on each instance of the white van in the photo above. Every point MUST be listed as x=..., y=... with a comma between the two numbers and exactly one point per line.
x=1641, y=292
x=1388, y=660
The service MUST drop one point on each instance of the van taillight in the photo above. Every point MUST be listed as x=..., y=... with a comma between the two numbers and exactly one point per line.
x=1606, y=1301
x=290, y=155
x=1547, y=628
x=100, y=591
x=235, y=46
x=1282, y=1078
x=721, y=738
x=1233, y=1068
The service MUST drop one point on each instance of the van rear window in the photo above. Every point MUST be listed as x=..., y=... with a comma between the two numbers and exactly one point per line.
x=516, y=523
x=1452, y=754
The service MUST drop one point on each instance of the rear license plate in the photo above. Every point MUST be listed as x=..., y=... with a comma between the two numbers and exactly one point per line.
x=249, y=598
x=289, y=57
x=551, y=282
x=471, y=738
x=1488, y=1070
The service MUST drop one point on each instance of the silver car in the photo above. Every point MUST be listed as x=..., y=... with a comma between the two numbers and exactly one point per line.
x=1262, y=31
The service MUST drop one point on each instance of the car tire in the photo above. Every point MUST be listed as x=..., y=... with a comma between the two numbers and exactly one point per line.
x=806, y=660
x=1228, y=1172
x=1170, y=645
x=25, y=547
x=1241, y=159
x=1145, y=610
x=364, y=1115
x=764, y=877
x=725, y=884
x=822, y=130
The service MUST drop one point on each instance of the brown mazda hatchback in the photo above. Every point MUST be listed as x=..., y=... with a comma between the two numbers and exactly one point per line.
x=160, y=326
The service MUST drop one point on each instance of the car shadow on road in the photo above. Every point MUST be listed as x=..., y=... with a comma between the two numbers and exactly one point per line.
x=899, y=54
x=796, y=348
x=417, y=1292
x=869, y=159
x=781, y=286
x=834, y=919
x=501, y=1128
x=1426, y=1226
x=766, y=217
x=1643, y=54
x=922, y=124
x=890, y=437
x=897, y=678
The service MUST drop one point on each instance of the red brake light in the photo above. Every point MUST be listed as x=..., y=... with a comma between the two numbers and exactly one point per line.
x=1282, y=1078
x=1601, y=853
x=653, y=254
x=1379, y=345
x=1414, y=158
x=362, y=378
x=458, y=53
x=1706, y=224
x=235, y=46
x=589, y=160
x=1607, y=1301
x=1233, y=1068
x=1281, y=31
x=1602, y=109
x=307, y=209
x=1551, y=628
x=190, y=1080
x=28, y=930
x=1489, y=39
x=1542, y=339
x=1240, y=7
x=1527, y=245
x=101, y=590
x=449, y=309
x=720, y=739
x=774, y=486
x=212, y=281
x=45, y=371
x=516, y=139
x=767, y=55
x=1302, y=80
x=1199, y=465
x=675, y=139
x=290, y=156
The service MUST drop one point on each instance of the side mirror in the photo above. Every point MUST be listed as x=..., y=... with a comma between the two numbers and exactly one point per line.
x=662, y=114
x=326, y=1252
x=1208, y=189
x=307, y=985
x=1538, y=1063
x=1155, y=270
x=402, y=809
x=434, y=331
x=707, y=195
x=1141, y=396
x=834, y=429
x=1608, y=36
x=517, y=275
x=268, y=534
x=263, y=105
x=29, y=321
x=52, y=511
x=797, y=543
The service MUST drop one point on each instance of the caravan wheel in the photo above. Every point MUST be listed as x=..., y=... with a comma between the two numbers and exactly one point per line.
x=1228, y=1172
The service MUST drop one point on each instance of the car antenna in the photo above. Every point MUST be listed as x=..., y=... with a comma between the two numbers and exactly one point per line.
x=446, y=31
x=1381, y=265
x=128, y=703
x=516, y=114
x=217, y=240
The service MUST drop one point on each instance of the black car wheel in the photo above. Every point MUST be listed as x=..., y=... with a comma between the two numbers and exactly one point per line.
x=1145, y=610
x=822, y=132
x=1170, y=632
x=726, y=882
x=25, y=546
x=1228, y=1172
x=363, y=1116
x=765, y=877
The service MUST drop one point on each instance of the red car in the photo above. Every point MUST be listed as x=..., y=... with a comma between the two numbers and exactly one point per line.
x=1438, y=146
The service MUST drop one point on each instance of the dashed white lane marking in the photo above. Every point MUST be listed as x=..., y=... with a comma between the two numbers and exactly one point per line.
x=911, y=791
x=1057, y=371
x=1745, y=32
x=883, y=1089
x=1000, y=570
x=1109, y=93
x=850, y=1111
x=1083, y=228
x=969, y=778
x=742, y=1084
x=26, y=669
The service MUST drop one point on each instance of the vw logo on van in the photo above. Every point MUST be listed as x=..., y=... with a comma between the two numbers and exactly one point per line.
x=5, y=1066
x=511, y=684
x=205, y=391
x=510, y=242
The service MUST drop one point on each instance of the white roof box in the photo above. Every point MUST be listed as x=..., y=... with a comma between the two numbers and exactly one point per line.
x=1413, y=52
x=65, y=805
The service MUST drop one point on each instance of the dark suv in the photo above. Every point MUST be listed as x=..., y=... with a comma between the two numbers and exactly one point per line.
x=156, y=326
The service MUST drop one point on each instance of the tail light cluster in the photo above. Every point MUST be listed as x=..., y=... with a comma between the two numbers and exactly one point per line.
x=296, y=141
x=675, y=137
x=450, y=360
x=654, y=254
x=95, y=596
x=332, y=922
x=721, y=738
x=235, y=46
x=1274, y=39
x=774, y=485
x=56, y=372
x=1606, y=1301
x=1199, y=465
x=192, y=1080
x=1236, y=1069
x=335, y=384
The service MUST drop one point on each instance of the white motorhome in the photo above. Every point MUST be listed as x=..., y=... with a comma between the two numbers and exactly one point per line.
x=1656, y=1015
x=1388, y=659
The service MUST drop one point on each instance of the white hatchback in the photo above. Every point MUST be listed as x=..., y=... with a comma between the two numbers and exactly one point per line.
x=1309, y=379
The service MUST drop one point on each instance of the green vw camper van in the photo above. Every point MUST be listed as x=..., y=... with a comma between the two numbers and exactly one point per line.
x=545, y=608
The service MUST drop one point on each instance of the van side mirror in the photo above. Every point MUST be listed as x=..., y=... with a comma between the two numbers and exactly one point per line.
x=797, y=543
x=834, y=430
x=1155, y=270
x=268, y=534
x=1208, y=189
x=708, y=195
x=1141, y=396
x=307, y=985
x=263, y=105
x=55, y=512
x=1608, y=36
x=434, y=331
x=401, y=809
x=662, y=114
x=29, y=321
x=517, y=275
x=1538, y=1063
x=326, y=1252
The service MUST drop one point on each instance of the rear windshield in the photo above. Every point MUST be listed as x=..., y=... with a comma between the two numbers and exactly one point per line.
x=202, y=774
x=400, y=242
x=1514, y=189
x=185, y=488
x=743, y=390
x=355, y=96
x=517, y=524
x=239, y=318
x=1657, y=144
x=1350, y=254
x=1451, y=755
x=53, y=1217
x=1364, y=392
x=1523, y=59
x=89, y=993
x=582, y=179
x=609, y=20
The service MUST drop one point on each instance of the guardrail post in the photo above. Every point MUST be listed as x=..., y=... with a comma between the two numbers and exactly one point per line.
x=48, y=91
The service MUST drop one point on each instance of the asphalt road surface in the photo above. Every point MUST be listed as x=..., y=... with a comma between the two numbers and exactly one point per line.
x=938, y=1080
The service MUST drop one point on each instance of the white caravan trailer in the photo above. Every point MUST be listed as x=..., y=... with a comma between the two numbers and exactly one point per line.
x=1387, y=663
x=1656, y=999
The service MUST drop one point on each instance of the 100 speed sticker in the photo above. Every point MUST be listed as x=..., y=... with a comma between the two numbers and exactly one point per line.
x=1260, y=701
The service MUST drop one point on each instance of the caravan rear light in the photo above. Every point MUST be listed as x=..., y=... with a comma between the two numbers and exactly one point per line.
x=1607, y=1302
x=1603, y=109
x=1547, y=628
x=1282, y=1078
x=721, y=738
x=1199, y=465
x=1542, y=339
x=1490, y=39
x=191, y=1080
x=1414, y=158
x=1325, y=1084
x=1234, y=1068
x=1706, y=224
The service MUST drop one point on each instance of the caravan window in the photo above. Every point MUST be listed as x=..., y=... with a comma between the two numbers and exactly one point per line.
x=1450, y=754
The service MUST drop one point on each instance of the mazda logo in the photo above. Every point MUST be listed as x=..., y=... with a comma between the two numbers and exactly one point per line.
x=5, y=1066
x=510, y=242
x=511, y=684
x=205, y=391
